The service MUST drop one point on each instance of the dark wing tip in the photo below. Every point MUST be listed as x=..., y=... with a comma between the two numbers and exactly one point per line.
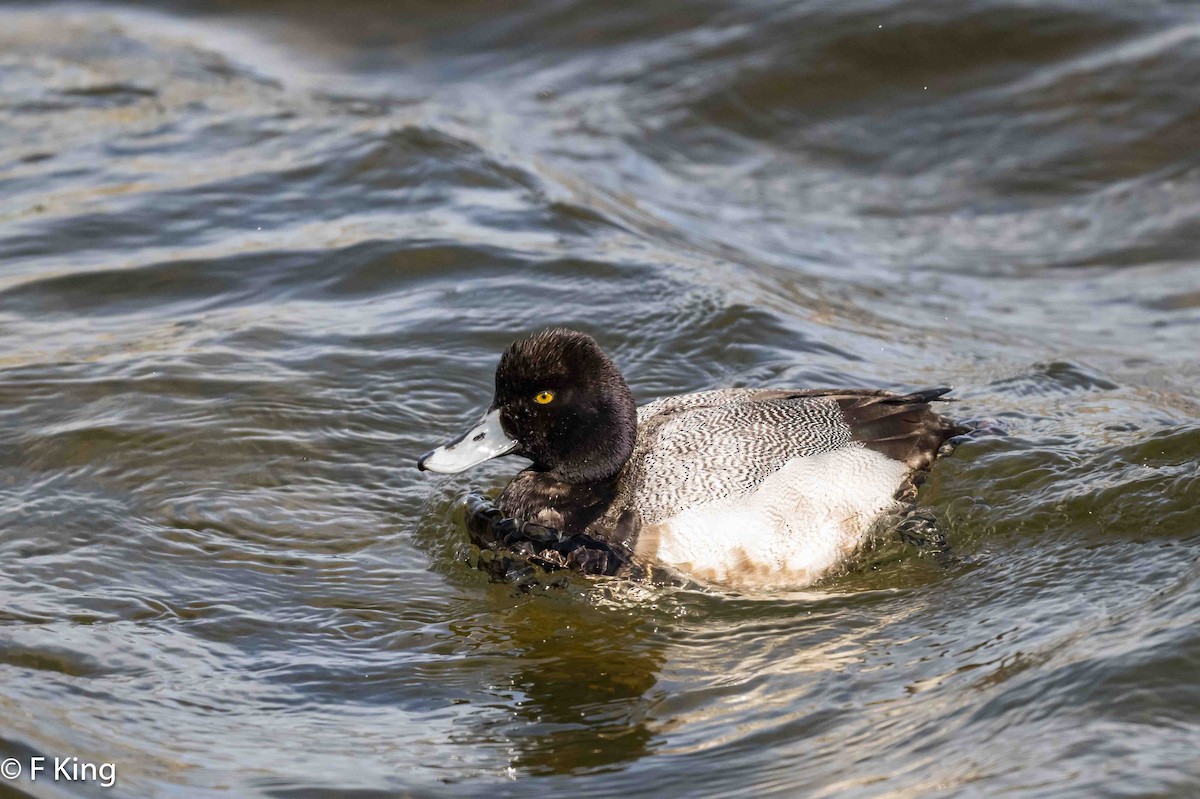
x=937, y=394
x=902, y=426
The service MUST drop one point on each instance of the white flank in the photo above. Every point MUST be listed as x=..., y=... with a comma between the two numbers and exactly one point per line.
x=792, y=530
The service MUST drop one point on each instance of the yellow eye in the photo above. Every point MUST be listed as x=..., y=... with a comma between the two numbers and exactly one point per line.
x=545, y=398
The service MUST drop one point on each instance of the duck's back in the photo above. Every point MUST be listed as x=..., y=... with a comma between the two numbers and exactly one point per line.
x=752, y=487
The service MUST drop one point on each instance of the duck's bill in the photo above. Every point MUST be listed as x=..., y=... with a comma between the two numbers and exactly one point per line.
x=482, y=442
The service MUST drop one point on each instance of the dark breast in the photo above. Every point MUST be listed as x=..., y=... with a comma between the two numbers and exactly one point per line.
x=571, y=508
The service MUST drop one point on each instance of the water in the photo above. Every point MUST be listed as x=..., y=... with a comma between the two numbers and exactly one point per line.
x=255, y=257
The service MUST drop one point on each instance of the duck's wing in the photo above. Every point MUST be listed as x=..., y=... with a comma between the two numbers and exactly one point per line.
x=700, y=448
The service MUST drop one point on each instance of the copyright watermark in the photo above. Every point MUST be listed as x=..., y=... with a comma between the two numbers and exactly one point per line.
x=60, y=769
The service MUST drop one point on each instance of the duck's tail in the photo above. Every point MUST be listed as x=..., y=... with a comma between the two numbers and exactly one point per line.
x=903, y=427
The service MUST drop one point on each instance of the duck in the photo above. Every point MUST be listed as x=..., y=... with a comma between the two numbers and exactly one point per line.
x=740, y=488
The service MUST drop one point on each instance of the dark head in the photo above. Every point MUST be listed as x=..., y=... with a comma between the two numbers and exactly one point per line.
x=561, y=403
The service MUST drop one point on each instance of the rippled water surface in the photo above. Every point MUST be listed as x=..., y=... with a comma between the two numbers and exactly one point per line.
x=256, y=256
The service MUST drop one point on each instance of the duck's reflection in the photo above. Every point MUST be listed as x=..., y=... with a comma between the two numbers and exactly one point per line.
x=574, y=680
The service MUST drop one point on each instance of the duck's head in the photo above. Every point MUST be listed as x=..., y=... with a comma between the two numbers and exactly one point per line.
x=561, y=402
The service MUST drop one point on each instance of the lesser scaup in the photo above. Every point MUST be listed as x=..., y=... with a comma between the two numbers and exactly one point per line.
x=745, y=488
